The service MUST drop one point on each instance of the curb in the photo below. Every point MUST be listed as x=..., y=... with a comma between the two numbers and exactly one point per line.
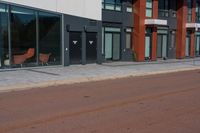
x=87, y=79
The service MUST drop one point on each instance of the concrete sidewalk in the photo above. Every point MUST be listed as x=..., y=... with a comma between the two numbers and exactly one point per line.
x=51, y=76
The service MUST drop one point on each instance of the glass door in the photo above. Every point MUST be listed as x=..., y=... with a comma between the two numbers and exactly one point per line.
x=197, y=47
x=111, y=43
x=147, y=47
x=162, y=46
x=116, y=46
x=159, y=47
x=187, y=47
x=108, y=45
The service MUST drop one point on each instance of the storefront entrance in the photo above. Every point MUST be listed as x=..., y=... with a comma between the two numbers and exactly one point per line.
x=112, y=43
x=148, y=43
x=162, y=47
x=197, y=46
x=187, y=45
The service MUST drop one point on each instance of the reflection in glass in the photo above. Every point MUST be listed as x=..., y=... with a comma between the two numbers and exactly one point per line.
x=49, y=39
x=4, y=49
x=23, y=37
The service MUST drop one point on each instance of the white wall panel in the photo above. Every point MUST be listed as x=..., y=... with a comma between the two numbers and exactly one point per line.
x=82, y=8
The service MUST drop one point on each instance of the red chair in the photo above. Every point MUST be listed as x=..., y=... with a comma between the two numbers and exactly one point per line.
x=44, y=58
x=20, y=59
x=30, y=53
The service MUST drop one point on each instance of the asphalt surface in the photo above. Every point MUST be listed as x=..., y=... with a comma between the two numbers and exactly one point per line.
x=165, y=103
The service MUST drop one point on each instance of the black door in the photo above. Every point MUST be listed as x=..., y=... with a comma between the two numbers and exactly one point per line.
x=91, y=47
x=75, y=47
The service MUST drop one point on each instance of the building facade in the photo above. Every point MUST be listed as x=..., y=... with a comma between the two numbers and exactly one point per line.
x=66, y=32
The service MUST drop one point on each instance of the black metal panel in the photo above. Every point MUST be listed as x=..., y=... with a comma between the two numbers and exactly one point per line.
x=82, y=25
x=91, y=47
x=75, y=47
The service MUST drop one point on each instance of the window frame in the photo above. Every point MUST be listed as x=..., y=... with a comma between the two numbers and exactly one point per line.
x=149, y=8
x=117, y=5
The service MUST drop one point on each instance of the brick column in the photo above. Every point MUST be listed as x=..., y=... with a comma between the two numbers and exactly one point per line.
x=192, y=42
x=154, y=33
x=139, y=30
x=181, y=28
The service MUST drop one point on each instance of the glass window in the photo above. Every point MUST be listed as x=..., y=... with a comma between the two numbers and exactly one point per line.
x=49, y=39
x=111, y=43
x=102, y=41
x=34, y=37
x=198, y=12
x=128, y=38
x=23, y=36
x=163, y=6
x=149, y=6
x=112, y=5
x=189, y=16
x=129, y=9
x=173, y=39
x=4, y=48
x=111, y=29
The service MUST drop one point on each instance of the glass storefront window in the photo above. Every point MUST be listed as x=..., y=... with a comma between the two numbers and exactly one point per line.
x=111, y=43
x=23, y=36
x=49, y=38
x=28, y=37
x=4, y=48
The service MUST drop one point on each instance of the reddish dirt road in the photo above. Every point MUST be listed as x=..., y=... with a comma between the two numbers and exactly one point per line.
x=167, y=103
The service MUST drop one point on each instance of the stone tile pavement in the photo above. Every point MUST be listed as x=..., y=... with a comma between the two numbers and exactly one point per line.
x=18, y=79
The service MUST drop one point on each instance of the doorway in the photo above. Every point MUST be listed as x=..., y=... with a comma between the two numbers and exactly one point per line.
x=187, y=45
x=162, y=46
x=75, y=46
x=112, y=43
x=147, y=47
x=91, y=47
x=197, y=46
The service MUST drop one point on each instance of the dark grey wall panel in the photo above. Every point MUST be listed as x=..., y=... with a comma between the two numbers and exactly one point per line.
x=83, y=25
x=122, y=19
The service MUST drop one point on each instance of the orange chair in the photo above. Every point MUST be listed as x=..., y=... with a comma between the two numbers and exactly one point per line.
x=44, y=58
x=20, y=59
x=30, y=53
